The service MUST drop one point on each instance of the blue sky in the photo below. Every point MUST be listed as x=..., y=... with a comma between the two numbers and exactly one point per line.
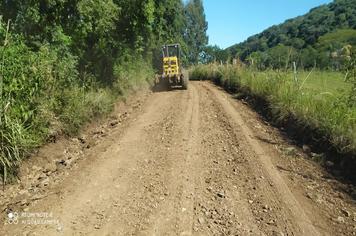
x=233, y=21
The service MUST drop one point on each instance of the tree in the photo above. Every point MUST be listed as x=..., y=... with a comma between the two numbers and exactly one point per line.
x=213, y=54
x=282, y=56
x=308, y=58
x=169, y=27
x=196, y=27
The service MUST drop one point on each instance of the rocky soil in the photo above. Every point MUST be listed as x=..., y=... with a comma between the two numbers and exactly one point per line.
x=195, y=162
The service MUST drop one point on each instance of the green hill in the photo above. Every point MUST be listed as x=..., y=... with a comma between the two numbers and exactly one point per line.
x=316, y=38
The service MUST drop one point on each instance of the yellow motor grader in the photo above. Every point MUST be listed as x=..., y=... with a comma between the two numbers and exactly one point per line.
x=173, y=74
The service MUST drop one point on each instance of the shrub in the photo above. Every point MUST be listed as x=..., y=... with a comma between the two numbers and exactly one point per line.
x=26, y=78
x=42, y=93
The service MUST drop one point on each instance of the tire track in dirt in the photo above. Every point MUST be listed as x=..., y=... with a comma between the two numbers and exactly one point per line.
x=176, y=214
x=187, y=164
x=90, y=197
x=303, y=223
x=220, y=208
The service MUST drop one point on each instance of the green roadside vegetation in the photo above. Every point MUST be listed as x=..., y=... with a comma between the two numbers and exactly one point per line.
x=331, y=82
x=319, y=103
x=63, y=63
x=302, y=73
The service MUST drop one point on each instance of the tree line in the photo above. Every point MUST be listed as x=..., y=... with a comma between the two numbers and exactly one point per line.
x=100, y=32
x=321, y=38
x=64, y=62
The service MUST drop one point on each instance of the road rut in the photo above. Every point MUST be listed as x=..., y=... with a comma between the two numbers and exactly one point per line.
x=189, y=163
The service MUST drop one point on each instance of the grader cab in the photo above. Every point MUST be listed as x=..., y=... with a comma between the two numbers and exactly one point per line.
x=173, y=74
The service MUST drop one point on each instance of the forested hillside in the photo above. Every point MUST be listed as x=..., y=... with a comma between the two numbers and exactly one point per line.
x=320, y=38
x=64, y=62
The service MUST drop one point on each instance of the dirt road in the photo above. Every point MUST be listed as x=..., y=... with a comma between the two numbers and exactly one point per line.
x=194, y=162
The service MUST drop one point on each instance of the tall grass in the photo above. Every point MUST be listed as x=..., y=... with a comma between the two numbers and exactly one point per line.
x=317, y=102
x=41, y=96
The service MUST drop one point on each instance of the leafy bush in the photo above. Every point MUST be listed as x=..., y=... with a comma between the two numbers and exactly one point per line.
x=42, y=95
x=131, y=72
x=27, y=78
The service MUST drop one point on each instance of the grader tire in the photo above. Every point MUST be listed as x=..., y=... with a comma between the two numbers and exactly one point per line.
x=185, y=80
x=166, y=84
x=161, y=85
